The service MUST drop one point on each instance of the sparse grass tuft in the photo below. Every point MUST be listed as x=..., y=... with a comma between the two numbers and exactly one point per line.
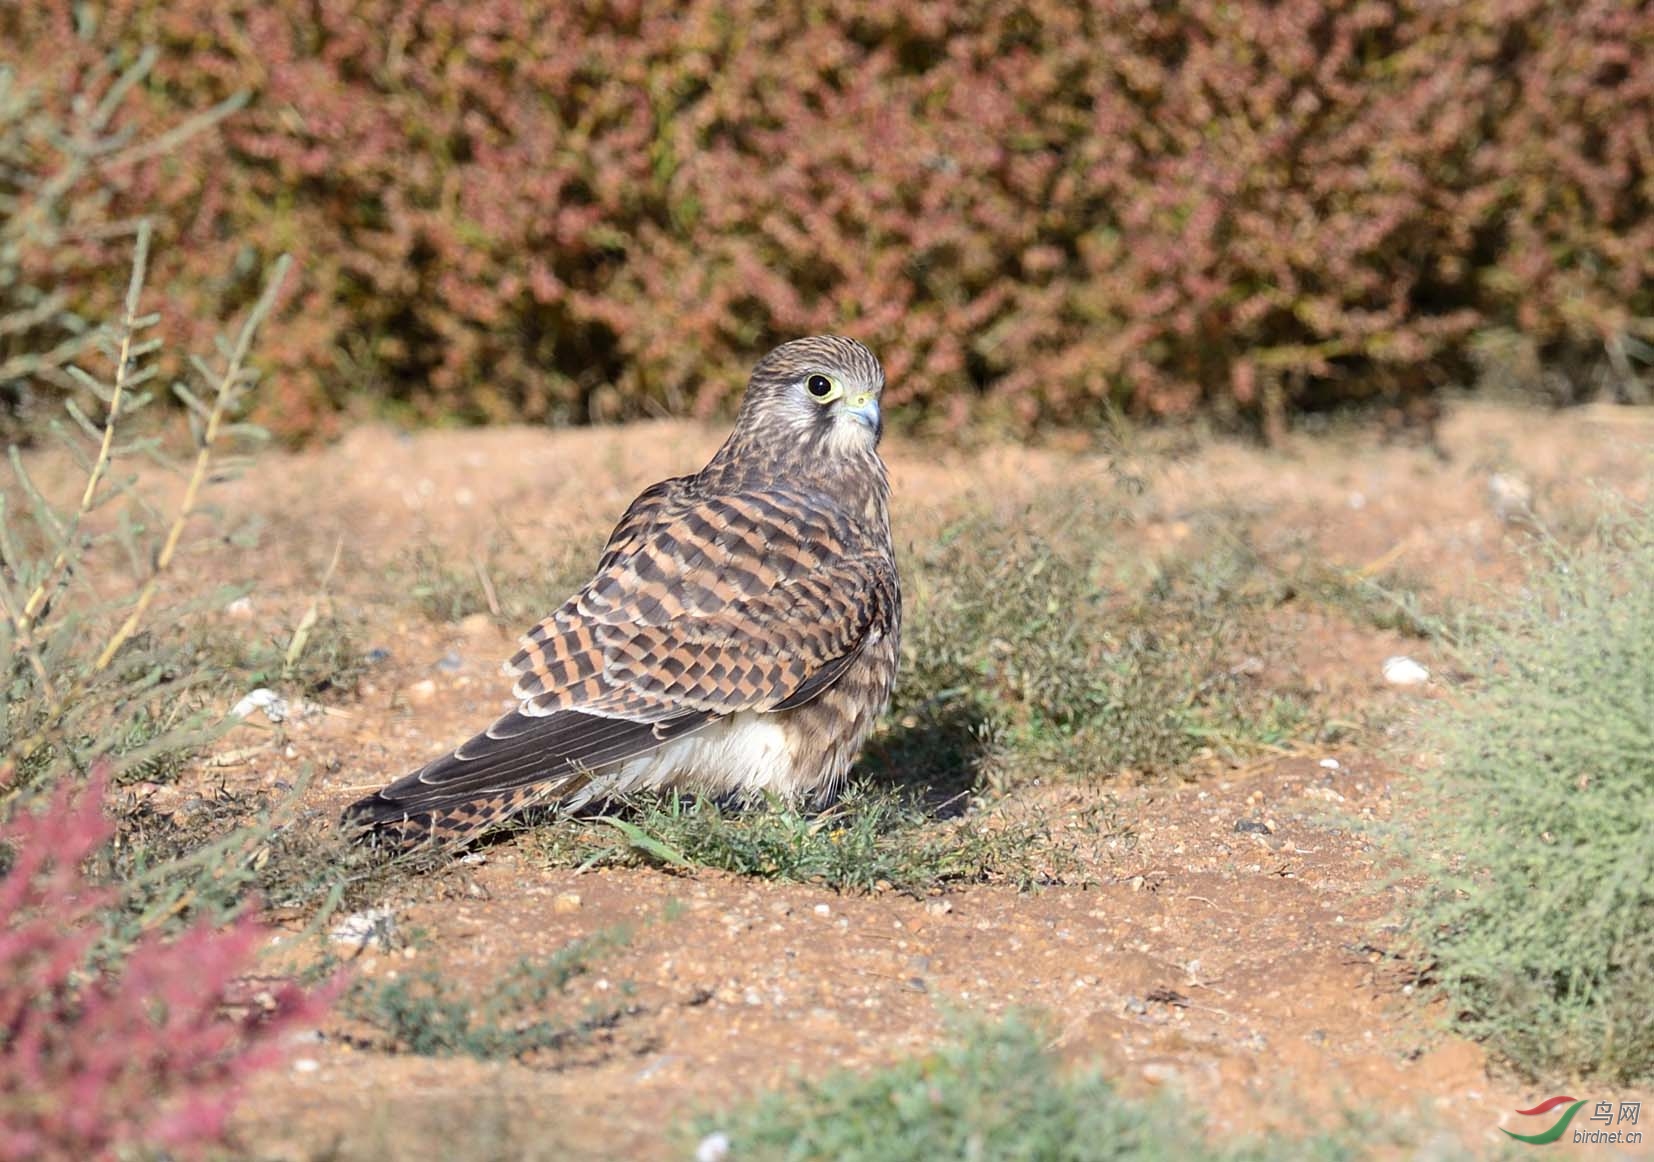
x=207, y=854
x=1023, y=635
x=1540, y=919
x=873, y=839
x=992, y=1091
x=81, y=594
x=505, y=581
x=326, y=659
x=427, y=1014
x=1385, y=600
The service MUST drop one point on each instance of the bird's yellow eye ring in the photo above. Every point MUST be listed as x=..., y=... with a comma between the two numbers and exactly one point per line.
x=821, y=387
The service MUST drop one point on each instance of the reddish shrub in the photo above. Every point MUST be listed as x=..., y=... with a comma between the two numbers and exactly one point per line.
x=599, y=209
x=98, y=1056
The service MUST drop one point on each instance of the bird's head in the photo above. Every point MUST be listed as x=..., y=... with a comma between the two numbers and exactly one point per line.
x=819, y=394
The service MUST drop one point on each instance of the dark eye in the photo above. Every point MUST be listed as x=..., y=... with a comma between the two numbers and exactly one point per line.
x=819, y=386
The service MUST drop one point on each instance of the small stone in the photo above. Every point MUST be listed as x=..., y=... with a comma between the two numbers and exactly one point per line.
x=1511, y=498
x=1404, y=671
x=823, y=910
x=1329, y=764
x=1252, y=825
x=938, y=907
x=713, y=1148
x=273, y=704
x=450, y=663
x=376, y=656
x=1135, y=1005
x=376, y=926
x=476, y=625
x=241, y=608
x=306, y=1065
x=565, y=902
x=422, y=691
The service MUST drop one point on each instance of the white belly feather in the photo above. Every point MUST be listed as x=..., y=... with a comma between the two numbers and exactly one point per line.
x=746, y=754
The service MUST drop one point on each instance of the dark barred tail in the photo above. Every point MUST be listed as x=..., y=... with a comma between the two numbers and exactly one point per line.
x=521, y=760
x=391, y=826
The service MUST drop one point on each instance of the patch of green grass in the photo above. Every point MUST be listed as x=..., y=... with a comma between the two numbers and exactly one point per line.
x=1540, y=919
x=1025, y=634
x=991, y=1092
x=429, y=1015
x=155, y=742
x=874, y=838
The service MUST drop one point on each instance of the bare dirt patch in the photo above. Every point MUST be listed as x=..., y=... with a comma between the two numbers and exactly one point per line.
x=1231, y=935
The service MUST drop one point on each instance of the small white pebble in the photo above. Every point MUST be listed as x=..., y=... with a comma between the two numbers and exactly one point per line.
x=713, y=1148
x=241, y=608
x=1511, y=497
x=265, y=699
x=1404, y=671
x=374, y=926
x=306, y=1065
x=1329, y=764
x=823, y=910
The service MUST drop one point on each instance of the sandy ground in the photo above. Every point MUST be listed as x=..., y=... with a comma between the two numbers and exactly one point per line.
x=1251, y=971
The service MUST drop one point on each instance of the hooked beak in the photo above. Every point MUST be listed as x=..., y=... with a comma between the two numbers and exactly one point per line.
x=865, y=408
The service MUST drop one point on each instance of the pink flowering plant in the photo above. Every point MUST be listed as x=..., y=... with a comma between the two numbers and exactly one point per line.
x=101, y=1048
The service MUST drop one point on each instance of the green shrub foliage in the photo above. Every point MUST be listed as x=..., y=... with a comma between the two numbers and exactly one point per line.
x=1032, y=210
x=1541, y=919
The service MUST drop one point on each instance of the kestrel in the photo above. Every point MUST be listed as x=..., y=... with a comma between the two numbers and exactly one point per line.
x=738, y=638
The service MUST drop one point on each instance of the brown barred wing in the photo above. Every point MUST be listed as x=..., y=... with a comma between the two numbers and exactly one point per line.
x=724, y=604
